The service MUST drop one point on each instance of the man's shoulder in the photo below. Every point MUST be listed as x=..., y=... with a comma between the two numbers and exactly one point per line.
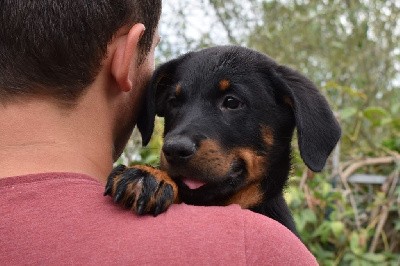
x=69, y=218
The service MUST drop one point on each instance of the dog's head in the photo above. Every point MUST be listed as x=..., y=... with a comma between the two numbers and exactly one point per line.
x=229, y=116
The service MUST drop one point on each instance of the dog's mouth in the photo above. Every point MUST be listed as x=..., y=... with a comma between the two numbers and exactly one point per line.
x=211, y=190
x=196, y=179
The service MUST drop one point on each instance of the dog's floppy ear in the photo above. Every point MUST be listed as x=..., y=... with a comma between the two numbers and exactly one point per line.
x=162, y=78
x=317, y=129
x=145, y=121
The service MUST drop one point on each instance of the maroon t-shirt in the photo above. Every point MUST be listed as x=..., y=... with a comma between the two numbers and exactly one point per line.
x=63, y=218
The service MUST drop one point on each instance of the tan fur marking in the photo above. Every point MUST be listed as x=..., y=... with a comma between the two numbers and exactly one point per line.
x=133, y=189
x=288, y=101
x=178, y=89
x=163, y=162
x=255, y=164
x=247, y=197
x=160, y=176
x=210, y=156
x=268, y=135
x=224, y=84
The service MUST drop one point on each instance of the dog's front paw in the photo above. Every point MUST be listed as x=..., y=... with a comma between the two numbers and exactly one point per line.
x=143, y=189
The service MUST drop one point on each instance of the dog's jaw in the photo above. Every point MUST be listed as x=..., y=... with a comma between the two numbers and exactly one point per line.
x=199, y=192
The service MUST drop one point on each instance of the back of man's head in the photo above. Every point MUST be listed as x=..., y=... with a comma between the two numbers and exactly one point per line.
x=55, y=47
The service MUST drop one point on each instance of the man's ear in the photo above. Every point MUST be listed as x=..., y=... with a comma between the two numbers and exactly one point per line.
x=317, y=129
x=126, y=52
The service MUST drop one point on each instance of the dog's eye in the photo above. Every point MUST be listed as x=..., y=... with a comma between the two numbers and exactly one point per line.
x=231, y=103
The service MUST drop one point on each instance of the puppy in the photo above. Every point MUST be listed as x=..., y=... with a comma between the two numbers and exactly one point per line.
x=230, y=113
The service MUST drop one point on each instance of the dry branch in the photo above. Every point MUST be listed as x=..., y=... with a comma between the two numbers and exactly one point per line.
x=368, y=161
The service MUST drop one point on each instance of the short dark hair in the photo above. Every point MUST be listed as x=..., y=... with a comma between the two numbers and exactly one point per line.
x=55, y=47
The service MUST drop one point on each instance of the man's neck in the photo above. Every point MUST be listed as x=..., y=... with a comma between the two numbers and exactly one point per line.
x=36, y=137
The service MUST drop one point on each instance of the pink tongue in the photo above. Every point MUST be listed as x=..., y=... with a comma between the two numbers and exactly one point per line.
x=192, y=183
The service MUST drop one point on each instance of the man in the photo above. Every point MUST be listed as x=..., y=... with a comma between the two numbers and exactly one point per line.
x=72, y=74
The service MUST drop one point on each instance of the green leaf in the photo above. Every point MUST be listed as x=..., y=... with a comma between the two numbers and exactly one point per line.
x=152, y=159
x=326, y=190
x=375, y=114
x=355, y=243
x=348, y=112
x=309, y=216
x=348, y=256
x=323, y=231
x=373, y=257
x=337, y=228
x=300, y=223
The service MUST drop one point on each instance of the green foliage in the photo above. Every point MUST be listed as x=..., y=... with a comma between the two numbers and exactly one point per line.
x=325, y=220
x=367, y=129
x=151, y=153
x=350, y=49
x=134, y=153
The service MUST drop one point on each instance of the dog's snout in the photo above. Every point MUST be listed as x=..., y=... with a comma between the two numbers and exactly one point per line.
x=179, y=149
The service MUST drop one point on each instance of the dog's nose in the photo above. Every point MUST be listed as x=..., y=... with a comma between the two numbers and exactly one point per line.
x=179, y=149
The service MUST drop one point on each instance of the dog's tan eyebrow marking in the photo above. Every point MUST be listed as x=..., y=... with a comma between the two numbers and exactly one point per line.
x=224, y=84
x=268, y=135
x=178, y=89
x=288, y=101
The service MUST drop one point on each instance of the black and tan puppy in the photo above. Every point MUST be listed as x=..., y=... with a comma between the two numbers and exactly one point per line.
x=230, y=113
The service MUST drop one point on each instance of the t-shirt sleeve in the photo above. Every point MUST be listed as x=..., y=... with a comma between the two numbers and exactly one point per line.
x=267, y=242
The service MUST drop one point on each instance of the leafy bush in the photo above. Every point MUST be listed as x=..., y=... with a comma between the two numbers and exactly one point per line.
x=325, y=220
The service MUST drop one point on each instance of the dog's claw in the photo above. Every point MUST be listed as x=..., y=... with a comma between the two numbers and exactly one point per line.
x=107, y=191
x=118, y=197
x=140, y=208
x=116, y=171
x=139, y=190
x=129, y=202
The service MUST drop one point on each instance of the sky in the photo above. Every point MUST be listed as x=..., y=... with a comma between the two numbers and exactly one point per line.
x=199, y=20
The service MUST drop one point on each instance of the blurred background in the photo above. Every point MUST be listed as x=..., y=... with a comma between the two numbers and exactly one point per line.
x=350, y=213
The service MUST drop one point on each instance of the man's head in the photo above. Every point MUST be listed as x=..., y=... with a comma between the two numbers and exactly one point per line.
x=74, y=72
x=56, y=47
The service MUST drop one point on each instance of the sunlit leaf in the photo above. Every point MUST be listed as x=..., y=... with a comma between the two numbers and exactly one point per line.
x=348, y=112
x=337, y=228
x=375, y=114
